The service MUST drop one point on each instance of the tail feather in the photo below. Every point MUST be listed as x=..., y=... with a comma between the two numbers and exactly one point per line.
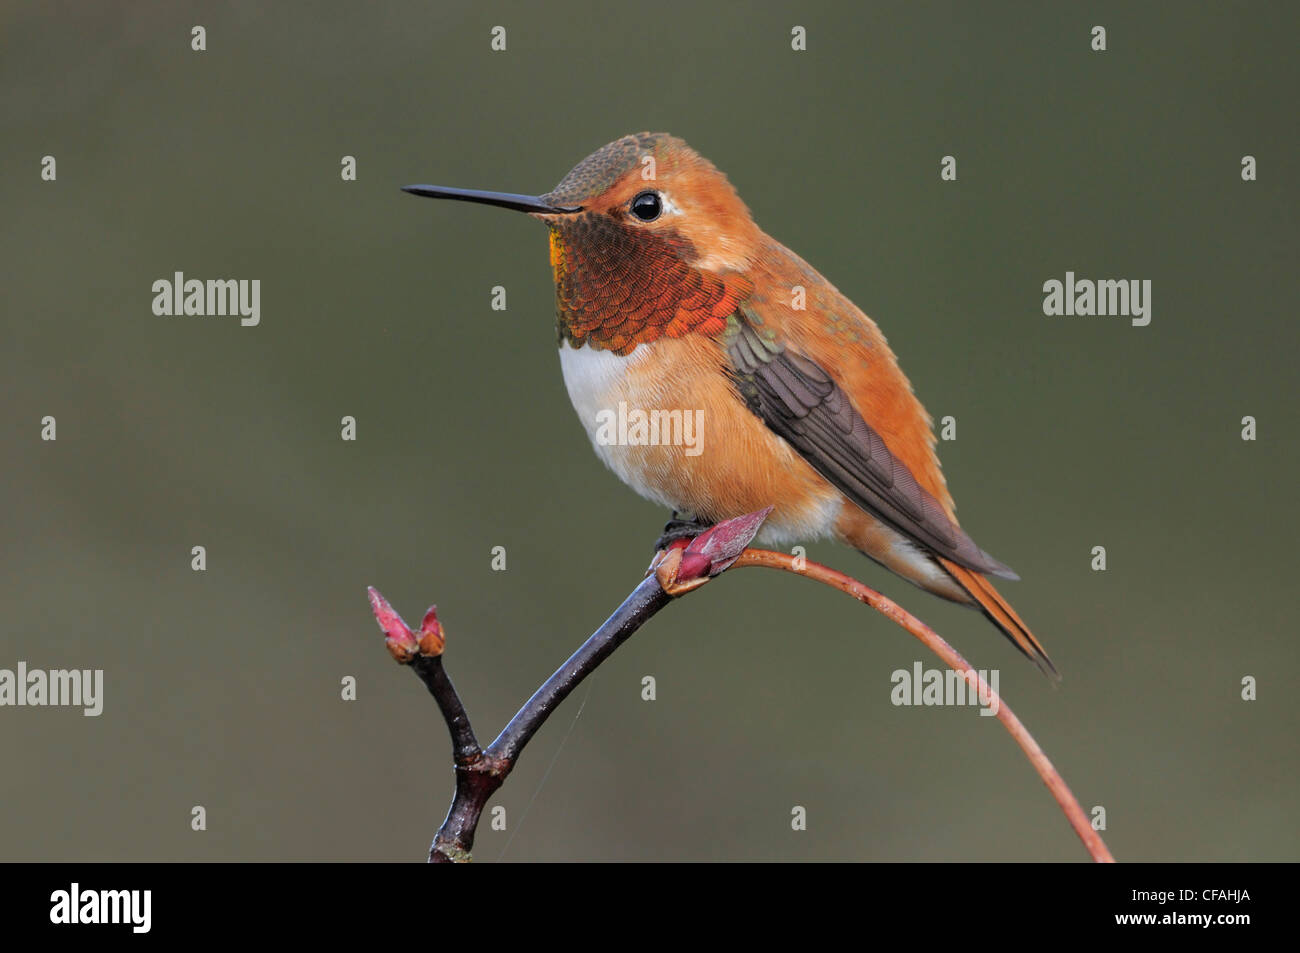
x=1000, y=613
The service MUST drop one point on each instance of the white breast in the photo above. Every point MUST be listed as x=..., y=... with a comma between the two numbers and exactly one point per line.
x=598, y=381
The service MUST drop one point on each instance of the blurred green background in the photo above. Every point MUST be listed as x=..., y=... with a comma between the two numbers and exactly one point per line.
x=223, y=687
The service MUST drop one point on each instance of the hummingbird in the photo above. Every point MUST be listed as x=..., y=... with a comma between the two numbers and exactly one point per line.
x=670, y=298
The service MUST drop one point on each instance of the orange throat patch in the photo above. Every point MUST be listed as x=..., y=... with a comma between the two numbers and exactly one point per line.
x=615, y=289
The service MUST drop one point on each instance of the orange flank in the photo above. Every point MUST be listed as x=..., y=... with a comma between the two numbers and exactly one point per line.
x=671, y=301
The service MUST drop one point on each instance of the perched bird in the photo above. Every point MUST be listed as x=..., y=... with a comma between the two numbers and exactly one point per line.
x=670, y=298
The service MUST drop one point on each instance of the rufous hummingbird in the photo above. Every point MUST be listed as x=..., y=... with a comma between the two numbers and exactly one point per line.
x=669, y=298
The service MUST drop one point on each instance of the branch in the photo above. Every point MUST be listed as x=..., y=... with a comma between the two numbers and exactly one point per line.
x=480, y=772
x=675, y=571
x=645, y=600
x=954, y=660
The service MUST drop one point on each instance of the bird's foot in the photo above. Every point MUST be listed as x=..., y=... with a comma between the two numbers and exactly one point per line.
x=678, y=529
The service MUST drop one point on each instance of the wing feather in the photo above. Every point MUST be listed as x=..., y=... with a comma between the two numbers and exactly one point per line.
x=801, y=403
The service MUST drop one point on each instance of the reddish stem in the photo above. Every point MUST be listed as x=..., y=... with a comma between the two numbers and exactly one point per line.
x=847, y=584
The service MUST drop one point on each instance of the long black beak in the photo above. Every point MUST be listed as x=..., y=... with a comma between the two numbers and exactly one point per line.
x=520, y=203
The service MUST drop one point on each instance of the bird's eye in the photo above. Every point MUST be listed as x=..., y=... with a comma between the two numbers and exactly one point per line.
x=647, y=206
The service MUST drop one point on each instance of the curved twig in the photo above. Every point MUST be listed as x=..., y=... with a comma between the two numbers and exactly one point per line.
x=953, y=659
x=480, y=772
